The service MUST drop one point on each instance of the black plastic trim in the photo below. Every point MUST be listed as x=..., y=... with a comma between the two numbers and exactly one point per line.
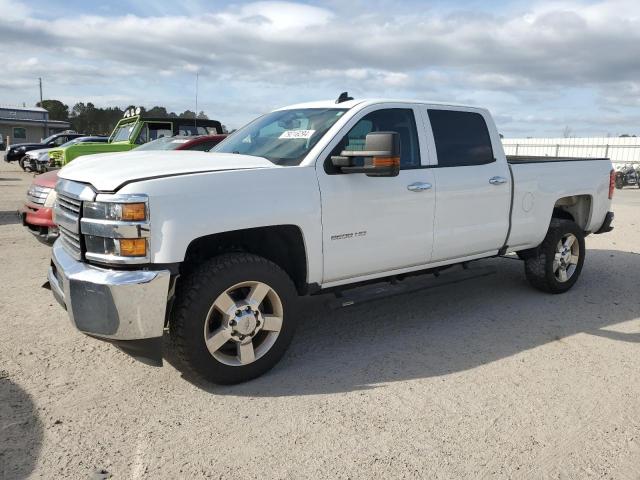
x=146, y=350
x=606, y=226
x=519, y=159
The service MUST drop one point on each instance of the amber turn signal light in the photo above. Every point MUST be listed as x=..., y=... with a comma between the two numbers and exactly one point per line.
x=133, y=247
x=134, y=211
x=386, y=161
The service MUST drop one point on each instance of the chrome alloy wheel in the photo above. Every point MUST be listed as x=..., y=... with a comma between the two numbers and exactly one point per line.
x=566, y=257
x=243, y=323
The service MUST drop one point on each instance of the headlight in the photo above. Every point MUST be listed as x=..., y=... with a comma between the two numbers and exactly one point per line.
x=116, y=229
x=51, y=199
x=130, y=212
x=43, y=156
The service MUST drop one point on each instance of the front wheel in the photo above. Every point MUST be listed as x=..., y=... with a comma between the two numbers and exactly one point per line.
x=24, y=163
x=233, y=318
x=557, y=262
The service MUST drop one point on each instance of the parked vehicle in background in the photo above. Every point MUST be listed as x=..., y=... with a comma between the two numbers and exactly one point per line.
x=134, y=130
x=18, y=150
x=37, y=211
x=627, y=175
x=308, y=198
x=38, y=160
x=202, y=143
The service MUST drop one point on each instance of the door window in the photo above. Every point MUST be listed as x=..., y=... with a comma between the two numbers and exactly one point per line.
x=400, y=120
x=159, y=130
x=461, y=138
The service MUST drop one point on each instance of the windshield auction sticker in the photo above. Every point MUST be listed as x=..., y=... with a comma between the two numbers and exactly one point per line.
x=297, y=134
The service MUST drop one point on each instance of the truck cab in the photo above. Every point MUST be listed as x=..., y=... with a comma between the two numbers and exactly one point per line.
x=133, y=130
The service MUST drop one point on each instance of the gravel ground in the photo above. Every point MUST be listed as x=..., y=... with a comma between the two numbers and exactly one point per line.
x=486, y=378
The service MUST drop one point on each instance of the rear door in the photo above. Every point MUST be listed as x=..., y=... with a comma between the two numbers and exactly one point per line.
x=474, y=188
x=372, y=225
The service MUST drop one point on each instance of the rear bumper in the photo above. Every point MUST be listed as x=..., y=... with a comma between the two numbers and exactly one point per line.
x=606, y=226
x=125, y=307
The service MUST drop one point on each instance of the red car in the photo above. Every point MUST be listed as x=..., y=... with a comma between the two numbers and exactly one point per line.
x=37, y=213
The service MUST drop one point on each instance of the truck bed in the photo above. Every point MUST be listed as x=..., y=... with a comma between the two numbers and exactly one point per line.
x=538, y=182
x=517, y=159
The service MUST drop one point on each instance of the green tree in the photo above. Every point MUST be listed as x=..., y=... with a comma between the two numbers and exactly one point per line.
x=187, y=114
x=57, y=110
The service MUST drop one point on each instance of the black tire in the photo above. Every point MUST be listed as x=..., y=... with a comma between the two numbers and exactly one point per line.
x=539, y=268
x=195, y=295
x=22, y=163
x=619, y=183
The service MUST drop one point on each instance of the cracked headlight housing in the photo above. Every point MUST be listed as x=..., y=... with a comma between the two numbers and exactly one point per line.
x=51, y=198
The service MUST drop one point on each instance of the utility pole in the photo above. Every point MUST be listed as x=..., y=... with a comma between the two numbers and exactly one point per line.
x=46, y=115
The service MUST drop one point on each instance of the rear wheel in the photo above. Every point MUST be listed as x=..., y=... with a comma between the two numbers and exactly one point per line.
x=557, y=262
x=619, y=183
x=233, y=318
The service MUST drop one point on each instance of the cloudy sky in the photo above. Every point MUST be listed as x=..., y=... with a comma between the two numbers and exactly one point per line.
x=539, y=66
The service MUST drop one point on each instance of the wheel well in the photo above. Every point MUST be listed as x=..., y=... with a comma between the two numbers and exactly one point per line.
x=574, y=207
x=282, y=244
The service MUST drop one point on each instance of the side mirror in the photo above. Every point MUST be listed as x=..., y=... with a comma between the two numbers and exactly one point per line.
x=381, y=156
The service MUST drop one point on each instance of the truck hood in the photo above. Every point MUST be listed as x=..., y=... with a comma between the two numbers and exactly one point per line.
x=15, y=146
x=108, y=172
x=35, y=153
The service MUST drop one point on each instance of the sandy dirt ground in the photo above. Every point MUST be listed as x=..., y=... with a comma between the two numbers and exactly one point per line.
x=483, y=379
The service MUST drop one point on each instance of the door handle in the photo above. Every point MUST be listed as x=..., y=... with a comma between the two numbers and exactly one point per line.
x=419, y=187
x=497, y=180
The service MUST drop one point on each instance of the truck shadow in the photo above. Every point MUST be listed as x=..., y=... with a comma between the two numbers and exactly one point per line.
x=21, y=432
x=448, y=329
x=10, y=217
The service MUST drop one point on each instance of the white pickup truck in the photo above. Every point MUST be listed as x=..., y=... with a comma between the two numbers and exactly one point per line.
x=216, y=247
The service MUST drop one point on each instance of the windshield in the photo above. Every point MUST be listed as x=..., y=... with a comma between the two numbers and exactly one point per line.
x=49, y=139
x=283, y=137
x=164, y=143
x=74, y=141
x=123, y=132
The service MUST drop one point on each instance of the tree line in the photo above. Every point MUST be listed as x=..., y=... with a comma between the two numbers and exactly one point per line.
x=87, y=118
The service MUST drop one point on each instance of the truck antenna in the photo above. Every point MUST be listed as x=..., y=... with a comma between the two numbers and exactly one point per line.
x=195, y=120
x=344, y=97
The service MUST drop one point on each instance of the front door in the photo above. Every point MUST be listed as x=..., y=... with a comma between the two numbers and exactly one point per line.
x=373, y=225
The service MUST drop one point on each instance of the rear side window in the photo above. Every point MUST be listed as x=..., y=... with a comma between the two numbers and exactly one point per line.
x=461, y=138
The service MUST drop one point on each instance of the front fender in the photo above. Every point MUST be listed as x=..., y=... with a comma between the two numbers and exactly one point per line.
x=185, y=207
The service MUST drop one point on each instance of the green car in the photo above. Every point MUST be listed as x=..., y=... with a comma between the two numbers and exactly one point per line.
x=134, y=130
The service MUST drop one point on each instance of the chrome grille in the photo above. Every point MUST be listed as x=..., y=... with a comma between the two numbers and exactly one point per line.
x=68, y=220
x=37, y=194
x=68, y=210
x=69, y=204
